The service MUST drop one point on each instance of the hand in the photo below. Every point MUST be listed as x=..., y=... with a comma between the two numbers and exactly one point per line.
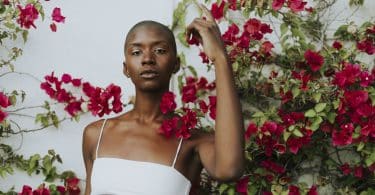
x=207, y=32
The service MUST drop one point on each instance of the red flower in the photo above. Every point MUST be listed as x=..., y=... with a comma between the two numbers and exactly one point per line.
x=343, y=137
x=26, y=190
x=192, y=41
x=277, y=4
x=203, y=106
x=204, y=57
x=218, y=10
x=169, y=126
x=293, y=190
x=212, y=106
x=314, y=59
x=4, y=100
x=274, y=167
x=167, y=103
x=189, y=93
x=355, y=98
x=305, y=78
x=27, y=16
x=280, y=148
x=56, y=15
x=76, y=82
x=358, y=171
x=41, y=190
x=6, y=2
x=66, y=78
x=61, y=190
x=232, y=4
x=72, y=186
x=366, y=79
x=189, y=119
x=53, y=27
x=296, y=5
x=255, y=29
x=3, y=115
x=312, y=191
x=251, y=129
x=367, y=46
x=202, y=83
x=244, y=40
x=337, y=45
x=266, y=47
x=345, y=168
x=348, y=75
x=73, y=108
x=241, y=185
x=229, y=37
x=309, y=9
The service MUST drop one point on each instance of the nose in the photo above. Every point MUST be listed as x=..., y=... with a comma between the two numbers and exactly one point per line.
x=148, y=58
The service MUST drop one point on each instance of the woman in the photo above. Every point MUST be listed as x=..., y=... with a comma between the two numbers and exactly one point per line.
x=127, y=155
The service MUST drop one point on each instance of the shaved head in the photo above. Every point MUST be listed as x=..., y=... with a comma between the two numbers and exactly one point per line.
x=149, y=24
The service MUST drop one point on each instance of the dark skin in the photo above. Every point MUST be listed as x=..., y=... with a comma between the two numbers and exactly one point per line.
x=134, y=135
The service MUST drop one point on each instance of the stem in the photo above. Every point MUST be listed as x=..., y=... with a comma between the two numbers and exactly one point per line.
x=21, y=73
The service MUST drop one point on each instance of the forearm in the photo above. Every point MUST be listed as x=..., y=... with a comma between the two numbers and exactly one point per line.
x=229, y=129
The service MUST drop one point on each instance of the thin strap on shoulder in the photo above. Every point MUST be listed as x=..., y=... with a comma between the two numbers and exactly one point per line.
x=178, y=150
x=100, y=137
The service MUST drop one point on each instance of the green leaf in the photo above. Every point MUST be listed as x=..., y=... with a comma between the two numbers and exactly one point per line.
x=320, y=107
x=316, y=123
x=310, y=113
x=258, y=114
x=316, y=97
x=182, y=38
x=283, y=28
x=235, y=66
x=222, y=188
x=297, y=132
x=192, y=70
x=360, y=146
x=286, y=135
x=9, y=25
x=295, y=91
x=25, y=34
x=331, y=117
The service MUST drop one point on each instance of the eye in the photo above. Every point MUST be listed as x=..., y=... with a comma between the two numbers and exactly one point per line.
x=160, y=51
x=136, y=52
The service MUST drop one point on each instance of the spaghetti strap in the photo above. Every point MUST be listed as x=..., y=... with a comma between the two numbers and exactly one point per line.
x=100, y=137
x=178, y=150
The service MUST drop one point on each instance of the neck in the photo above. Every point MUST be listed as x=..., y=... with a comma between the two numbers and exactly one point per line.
x=147, y=106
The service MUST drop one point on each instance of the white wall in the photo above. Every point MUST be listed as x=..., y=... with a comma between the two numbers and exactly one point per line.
x=90, y=46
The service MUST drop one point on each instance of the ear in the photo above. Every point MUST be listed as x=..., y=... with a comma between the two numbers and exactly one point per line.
x=177, y=65
x=125, y=70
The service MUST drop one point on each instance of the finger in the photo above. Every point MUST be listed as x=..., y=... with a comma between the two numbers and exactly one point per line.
x=206, y=12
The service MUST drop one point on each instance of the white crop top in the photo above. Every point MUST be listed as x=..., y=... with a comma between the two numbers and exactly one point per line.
x=117, y=176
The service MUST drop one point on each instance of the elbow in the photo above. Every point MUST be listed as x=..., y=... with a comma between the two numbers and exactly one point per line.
x=230, y=174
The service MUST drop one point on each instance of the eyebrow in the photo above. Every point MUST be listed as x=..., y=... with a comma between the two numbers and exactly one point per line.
x=136, y=44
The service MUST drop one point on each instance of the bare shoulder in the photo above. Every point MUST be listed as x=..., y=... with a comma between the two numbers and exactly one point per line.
x=200, y=138
x=90, y=138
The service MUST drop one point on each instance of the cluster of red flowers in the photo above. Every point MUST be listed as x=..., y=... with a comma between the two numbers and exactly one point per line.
x=71, y=188
x=368, y=43
x=294, y=5
x=29, y=14
x=4, y=103
x=355, y=108
x=100, y=101
x=181, y=126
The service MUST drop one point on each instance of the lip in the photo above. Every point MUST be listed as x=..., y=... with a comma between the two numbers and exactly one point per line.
x=149, y=74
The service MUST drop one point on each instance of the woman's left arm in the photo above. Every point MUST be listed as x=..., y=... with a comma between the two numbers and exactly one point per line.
x=222, y=154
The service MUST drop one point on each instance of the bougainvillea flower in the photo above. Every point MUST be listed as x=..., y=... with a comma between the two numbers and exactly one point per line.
x=72, y=186
x=244, y=40
x=337, y=45
x=189, y=93
x=345, y=168
x=66, y=78
x=296, y=5
x=251, y=130
x=212, y=106
x=265, y=28
x=27, y=16
x=277, y=4
x=358, y=171
x=56, y=15
x=274, y=167
x=169, y=126
x=313, y=190
x=61, y=189
x=167, y=103
x=76, y=82
x=203, y=106
x=26, y=190
x=53, y=27
x=232, y=4
x=241, y=185
x=367, y=46
x=309, y=9
x=41, y=190
x=202, y=83
x=366, y=79
x=4, y=100
x=347, y=76
x=355, y=98
x=314, y=59
x=266, y=47
x=341, y=138
x=6, y=2
x=189, y=119
x=73, y=108
x=3, y=115
x=230, y=36
x=183, y=132
x=293, y=190
x=218, y=10
x=204, y=57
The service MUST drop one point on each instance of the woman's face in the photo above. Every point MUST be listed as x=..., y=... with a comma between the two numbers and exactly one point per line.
x=150, y=59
